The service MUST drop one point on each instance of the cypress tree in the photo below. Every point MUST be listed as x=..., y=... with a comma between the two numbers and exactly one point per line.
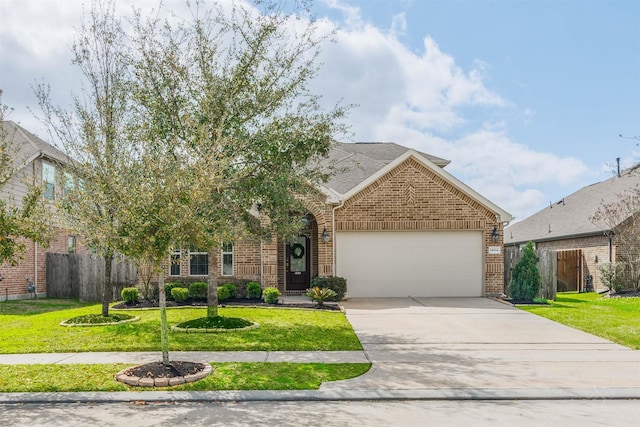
x=525, y=281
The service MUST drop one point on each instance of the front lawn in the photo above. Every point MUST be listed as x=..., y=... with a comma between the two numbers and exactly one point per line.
x=225, y=376
x=615, y=319
x=280, y=329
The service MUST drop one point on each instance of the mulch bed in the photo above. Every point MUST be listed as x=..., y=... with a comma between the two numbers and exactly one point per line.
x=159, y=370
x=235, y=302
x=625, y=294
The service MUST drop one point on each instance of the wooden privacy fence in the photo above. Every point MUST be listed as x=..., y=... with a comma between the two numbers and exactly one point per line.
x=569, y=270
x=547, y=266
x=82, y=276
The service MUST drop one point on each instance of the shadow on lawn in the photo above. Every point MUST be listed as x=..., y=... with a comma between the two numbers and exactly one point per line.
x=38, y=306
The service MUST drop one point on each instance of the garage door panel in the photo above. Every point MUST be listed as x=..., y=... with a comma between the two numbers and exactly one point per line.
x=400, y=264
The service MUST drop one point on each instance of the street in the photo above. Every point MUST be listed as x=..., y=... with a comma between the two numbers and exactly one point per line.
x=449, y=413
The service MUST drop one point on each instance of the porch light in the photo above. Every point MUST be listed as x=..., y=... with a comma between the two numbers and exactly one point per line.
x=325, y=235
x=494, y=235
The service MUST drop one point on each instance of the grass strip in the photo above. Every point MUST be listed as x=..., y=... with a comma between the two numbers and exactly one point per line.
x=38, y=331
x=225, y=376
x=614, y=319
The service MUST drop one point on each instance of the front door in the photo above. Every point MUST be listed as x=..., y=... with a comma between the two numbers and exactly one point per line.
x=298, y=264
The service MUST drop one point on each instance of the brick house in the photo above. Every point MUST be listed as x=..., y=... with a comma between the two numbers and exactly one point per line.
x=566, y=227
x=36, y=162
x=391, y=221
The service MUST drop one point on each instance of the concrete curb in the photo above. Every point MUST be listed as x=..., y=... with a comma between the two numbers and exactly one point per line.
x=320, y=395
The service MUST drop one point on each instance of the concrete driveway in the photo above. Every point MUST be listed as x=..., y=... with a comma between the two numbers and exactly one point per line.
x=478, y=343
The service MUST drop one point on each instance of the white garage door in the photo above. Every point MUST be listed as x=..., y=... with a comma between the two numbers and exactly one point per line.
x=418, y=264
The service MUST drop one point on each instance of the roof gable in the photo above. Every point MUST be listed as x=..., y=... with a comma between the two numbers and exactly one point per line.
x=570, y=216
x=377, y=168
x=354, y=163
x=27, y=146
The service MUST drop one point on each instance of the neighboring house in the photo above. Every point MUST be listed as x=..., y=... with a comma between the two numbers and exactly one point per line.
x=37, y=162
x=391, y=221
x=566, y=227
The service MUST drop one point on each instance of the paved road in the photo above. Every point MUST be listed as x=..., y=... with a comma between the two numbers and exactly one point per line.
x=380, y=413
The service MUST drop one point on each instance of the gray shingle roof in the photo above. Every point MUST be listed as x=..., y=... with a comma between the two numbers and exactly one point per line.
x=570, y=216
x=353, y=163
x=25, y=145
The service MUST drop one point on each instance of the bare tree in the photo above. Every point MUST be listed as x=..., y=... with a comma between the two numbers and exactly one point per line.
x=622, y=217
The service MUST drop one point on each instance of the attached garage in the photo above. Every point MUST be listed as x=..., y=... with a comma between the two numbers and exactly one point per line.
x=411, y=263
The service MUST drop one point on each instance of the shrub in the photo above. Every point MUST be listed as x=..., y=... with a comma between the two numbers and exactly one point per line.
x=179, y=294
x=525, y=281
x=198, y=290
x=254, y=290
x=270, y=295
x=130, y=295
x=223, y=293
x=320, y=295
x=610, y=276
x=232, y=289
x=168, y=287
x=335, y=283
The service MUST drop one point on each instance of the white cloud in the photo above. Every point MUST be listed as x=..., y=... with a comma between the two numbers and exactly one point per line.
x=426, y=101
x=422, y=99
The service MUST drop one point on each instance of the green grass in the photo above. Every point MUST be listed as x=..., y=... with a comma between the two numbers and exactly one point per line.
x=38, y=306
x=35, y=330
x=225, y=376
x=615, y=319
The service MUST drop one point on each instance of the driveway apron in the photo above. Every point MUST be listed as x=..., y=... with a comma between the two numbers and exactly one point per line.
x=478, y=343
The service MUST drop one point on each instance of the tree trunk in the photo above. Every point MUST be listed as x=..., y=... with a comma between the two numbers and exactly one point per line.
x=106, y=288
x=212, y=282
x=164, y=326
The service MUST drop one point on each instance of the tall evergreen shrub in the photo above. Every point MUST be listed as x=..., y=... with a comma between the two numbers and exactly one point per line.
x=525, y=281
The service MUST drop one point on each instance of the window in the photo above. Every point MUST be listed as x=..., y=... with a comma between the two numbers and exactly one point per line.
x=198, y=263
x=227, y=259
x=71, y=245
x=175, y=264
x=48, y=180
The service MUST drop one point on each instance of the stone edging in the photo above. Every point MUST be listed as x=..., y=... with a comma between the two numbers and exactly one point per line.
x=215, y=330
x=70, y=325
x=162, y=382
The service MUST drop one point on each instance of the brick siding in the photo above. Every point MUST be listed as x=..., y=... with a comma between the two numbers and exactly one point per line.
x=15, y=282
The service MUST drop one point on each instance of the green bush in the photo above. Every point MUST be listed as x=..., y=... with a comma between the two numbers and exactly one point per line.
x=335, y=283
x=270, y=295
x=254, y=290
x=198, y=290
x=179, y=294
x=525, y=281
x=169, y=286
x=610, y=273
x=223, y=293
x=232, y=289
x=130, y=295
x=320, y=295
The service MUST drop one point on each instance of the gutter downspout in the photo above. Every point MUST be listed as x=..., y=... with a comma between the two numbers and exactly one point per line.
x=35, y=269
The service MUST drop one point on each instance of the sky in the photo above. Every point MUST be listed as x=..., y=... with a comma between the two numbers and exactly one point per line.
x=527, y=99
